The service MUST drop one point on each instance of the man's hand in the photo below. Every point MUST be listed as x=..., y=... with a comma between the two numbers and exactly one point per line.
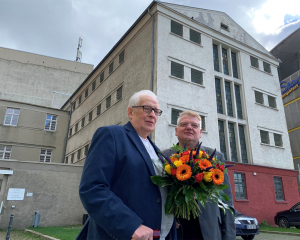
x=143, y=233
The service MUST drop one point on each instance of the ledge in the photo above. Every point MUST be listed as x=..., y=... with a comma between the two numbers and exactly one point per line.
x=40, y=235
x=268, y=145
x=180, y=79
x=241, y=200
x=266, y=106
x=187, y=39
x=261, y=71
x=281, y=202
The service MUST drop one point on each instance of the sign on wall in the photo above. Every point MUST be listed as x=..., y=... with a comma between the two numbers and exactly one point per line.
x=289, y=87
x=16, y=194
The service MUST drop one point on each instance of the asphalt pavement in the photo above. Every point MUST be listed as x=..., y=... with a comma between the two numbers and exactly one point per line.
x=268, y=236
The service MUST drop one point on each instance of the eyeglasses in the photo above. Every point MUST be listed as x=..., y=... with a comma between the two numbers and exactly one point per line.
x=148, y=109
x=185, y=124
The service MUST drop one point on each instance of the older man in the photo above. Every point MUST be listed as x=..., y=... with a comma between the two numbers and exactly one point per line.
x=116, y=189
x=212, y=224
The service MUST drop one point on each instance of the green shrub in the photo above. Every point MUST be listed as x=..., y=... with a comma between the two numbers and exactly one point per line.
x=264, y=223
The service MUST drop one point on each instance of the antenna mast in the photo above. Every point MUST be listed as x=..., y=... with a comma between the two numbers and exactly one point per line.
x=79, y=54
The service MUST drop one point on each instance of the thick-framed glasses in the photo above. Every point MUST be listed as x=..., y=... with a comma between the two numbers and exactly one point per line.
x=185, y=124
x=148, y=109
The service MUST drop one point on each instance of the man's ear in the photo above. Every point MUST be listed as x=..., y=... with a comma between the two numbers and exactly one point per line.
x=130, y=112
x=200, y=133
x=176, y=131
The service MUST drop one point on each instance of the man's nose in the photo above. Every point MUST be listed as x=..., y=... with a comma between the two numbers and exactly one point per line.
x=152, y=114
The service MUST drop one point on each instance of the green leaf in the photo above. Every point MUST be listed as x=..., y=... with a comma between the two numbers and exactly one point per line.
x=221, y=187
x=224, y=196
x=179, y=199
x=162, y=181
x=202, y=185
x=225, y=171
x=168, y=204
x=189, y=194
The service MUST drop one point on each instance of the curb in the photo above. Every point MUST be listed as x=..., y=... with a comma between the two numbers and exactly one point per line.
x=281, y=233
x=46, y=237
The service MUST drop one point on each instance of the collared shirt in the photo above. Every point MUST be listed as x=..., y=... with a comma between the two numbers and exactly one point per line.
x=166, y=220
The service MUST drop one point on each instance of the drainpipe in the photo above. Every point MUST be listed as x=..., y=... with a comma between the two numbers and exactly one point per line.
x=65, y=148
x=152, y=50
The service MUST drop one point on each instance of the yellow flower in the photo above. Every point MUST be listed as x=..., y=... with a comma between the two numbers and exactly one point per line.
x=207, y=176
x=178, y=163
x=168, y=169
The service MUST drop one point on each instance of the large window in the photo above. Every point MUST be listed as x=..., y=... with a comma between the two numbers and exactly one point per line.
x=232, y=142
x=278, y=188
x=238, y=101
x=51, y=121
x=216, y=58
x=12, y=116
x=196, y=76
x=240, y=186
x=219, y=96
x=177, y=70
x=45, y=155
x=222, y=138
x=228, y=99
x=5, y=152
x=254, y=62
x=119, y=93
x=234, y=65
x=243, y=144
x=225, y=61
x=176, y=28
x=195, y=36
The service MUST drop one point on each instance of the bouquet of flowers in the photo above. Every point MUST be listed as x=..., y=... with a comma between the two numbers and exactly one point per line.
x=192, y=175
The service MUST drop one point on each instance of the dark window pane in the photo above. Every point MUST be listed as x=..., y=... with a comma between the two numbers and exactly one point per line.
x=225, y=61
x=70, y=132
x=240, y=186
x=67, y=160
x=86, y=93
x=264, y=136
x=272, y=102
x=254, y=62
x=79, y=99
x=238, y=101
x=174, y=117
x=222, y=138
x=86, y=149
x=101, y=77
x=278, y=139
x=176, y=28
x=259, y=97
x=223, y=26
x=72, y=158
x=82, y=122
x=219, y=96
x=93, y=85
x=121, y=57
x=99, y=109
x=232, y=142
x=216, y=58
x=177, y=70
x=111, y=68
x=228, y=99
x=119, y=93
x=243, y=144
x=108, y=102
x=234, y=65
x=78, y=154
x=76, y=127
x=267, y=67
x=74, y=105
x=203, y=123
x=278, y=189
x=196, y=76
x=90, y=116
x=195, y=36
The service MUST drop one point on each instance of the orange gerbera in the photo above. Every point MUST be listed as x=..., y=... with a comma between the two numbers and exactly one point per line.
x=203, y=164
x=184, y=159
x=217, y=176
x=183, y=172
x=173, y=159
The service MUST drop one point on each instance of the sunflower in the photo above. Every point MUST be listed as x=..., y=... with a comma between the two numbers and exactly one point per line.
x=203, y=164
x=177, y=163
x=217, y=176
x=183, y=172
x=168, y=169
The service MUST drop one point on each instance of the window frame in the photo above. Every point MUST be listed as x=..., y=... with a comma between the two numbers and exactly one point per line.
x=275, y=141
x=239, y=184
x=12, y=114
x=91, y=116
x=256, y=61
x=179, y=26
x=86, y=93
x=55, y=121
x=267, y=67
x=174, y=74
x=106, y=101
x=93, y=85
x=274, y=98
x=82, y=122
x=45, y=155
x=268, y=137
x=118, y=91
x=122, y=57
x=224, y=26
x=111, y=68
x=195, y=72
x=195, y=35
x=5, y=151
x=256, y=93
x=80, y=99
x=98, y=110
x=276, y=196
x=102, y=77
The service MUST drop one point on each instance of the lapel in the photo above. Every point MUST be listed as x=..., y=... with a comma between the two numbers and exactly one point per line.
x=132, y=134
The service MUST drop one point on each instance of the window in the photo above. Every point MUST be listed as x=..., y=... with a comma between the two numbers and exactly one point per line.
x=225, y=61
x=74, y=105
x=234, y=65
x=76, y=127
x=254, y=62
x=223, y=26
x=121, y=57
x=222, y=138
x=99, y=109
x=267, y=67
x=278, y=139
x=86, y=93
x=264, y=136
x=67, y=160
x=72, y=158
x=93, y=85
x=177, y=70
x=259, y=98
x=272, y=102
x=70, y=132
x=176, y=28
x=79, y=99
x=82, y=122
x=238, y=101
x=86, y=149
x=203, y=123
x=78, y=154
x=174, y=115
x=51, y=121
x=278, y=189
x=45, y=155
x=196, y=76
x=240, y=186
x=243, y=144
x=108, y=102
x=111, y=68
x=216, y=58
x=101, y=77
x=232, y=142
x=228, y=99
x=195, y=36
x=219, y=96
x=90, y=116
x=5, y=152
x=119, y=93
x=11, y=117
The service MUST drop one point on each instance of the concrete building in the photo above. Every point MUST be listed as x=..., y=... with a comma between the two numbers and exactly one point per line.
x=205, y=62
x=40, y=80
x=32, y=133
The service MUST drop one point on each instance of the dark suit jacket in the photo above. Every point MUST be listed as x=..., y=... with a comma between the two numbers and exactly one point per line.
x=214, y=224
x=116, y=189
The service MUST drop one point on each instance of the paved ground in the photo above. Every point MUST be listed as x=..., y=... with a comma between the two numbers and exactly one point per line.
x=267, y=236
x=18, y=235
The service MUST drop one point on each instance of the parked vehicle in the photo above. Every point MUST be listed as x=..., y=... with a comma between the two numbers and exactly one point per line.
x=288, y=218
x=246, y=226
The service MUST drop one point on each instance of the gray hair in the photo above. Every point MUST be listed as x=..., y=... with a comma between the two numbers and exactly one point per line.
x=191, y=114
x=135, y=98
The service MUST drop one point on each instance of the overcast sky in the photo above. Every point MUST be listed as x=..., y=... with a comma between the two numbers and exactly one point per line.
x=52, y=27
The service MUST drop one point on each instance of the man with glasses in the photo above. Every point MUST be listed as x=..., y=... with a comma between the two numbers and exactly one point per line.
x=212, y=223
x=116, y=189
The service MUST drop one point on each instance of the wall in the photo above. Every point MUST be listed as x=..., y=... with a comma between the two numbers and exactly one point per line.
x=55, y=194
x=32, y=78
